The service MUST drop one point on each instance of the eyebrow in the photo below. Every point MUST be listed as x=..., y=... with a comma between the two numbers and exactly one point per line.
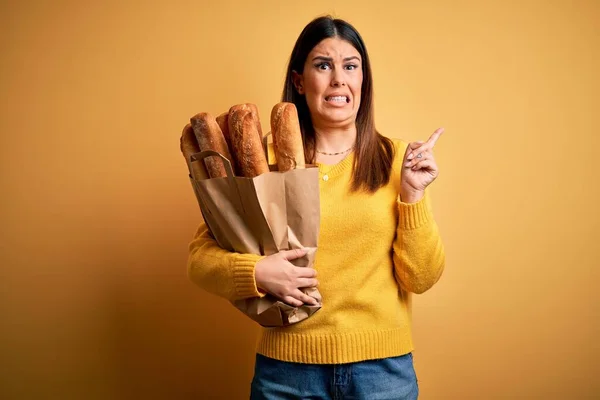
x=331, y=59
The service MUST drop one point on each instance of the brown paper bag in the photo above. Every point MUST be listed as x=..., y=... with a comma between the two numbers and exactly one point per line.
x=263, y=215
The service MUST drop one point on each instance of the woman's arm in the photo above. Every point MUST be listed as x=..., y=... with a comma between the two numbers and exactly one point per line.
x=236, y=276
x=418, y=251
x=221, y=272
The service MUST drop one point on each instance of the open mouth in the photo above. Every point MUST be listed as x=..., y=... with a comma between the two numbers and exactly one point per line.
x=337, y=99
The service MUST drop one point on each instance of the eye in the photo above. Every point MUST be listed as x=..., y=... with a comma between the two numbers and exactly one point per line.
x=323, y=66
x=351, y=67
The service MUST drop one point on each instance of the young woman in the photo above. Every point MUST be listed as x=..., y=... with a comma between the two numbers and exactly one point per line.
x=378, y=240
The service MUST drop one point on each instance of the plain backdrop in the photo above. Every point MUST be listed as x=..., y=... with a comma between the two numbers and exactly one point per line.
x=97, y=210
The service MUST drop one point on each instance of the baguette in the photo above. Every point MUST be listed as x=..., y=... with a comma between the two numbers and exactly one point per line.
x=209, y=137
x=188, y=146
x=222, y=120
x=287, y=137
x=251, y=107
x=246, y=143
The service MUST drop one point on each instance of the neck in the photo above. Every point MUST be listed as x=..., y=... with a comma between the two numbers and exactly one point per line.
x=332, y=140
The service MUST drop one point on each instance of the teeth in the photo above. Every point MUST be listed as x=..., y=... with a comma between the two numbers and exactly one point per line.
x=337, y=98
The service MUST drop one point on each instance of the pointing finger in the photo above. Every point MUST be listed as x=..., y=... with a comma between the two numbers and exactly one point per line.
x=435, y=136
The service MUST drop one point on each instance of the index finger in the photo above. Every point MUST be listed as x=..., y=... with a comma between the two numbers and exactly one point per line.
x=435, y=136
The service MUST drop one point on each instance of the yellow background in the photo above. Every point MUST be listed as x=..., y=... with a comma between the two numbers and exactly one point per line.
x=97, y=210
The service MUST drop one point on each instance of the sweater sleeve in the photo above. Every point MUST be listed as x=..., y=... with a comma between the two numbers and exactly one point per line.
x=221, y=272
x=419, y=257
x=418, y=251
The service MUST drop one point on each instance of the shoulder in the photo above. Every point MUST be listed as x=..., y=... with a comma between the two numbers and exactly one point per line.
x=399, y=144
x=399, y=148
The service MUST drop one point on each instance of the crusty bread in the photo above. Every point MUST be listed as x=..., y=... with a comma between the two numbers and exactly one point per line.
x=246, y=143
x=189, y=145
x=209, y=137
x=224, y=125
x=251, y=107
x=287, y=137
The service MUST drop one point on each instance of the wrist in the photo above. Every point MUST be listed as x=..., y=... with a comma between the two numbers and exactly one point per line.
x=411, y=195
x=258, y=273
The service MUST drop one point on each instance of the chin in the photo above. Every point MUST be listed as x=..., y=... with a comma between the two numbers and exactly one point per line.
x=340, y=117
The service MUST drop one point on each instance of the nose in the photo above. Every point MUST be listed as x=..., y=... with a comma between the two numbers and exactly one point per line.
x=338, y=79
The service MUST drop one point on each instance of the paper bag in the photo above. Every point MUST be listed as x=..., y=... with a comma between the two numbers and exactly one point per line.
x=263, y=215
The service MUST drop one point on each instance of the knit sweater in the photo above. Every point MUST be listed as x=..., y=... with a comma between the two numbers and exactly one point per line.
x=373, y=251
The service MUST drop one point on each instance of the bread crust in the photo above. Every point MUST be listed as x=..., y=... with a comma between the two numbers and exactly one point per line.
x=254, y=109
x=188, y=146
x=210, y=137
x=287, y=137
x=222, y=120
x=246, y=143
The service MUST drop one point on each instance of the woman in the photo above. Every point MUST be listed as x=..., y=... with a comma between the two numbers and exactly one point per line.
x=378, y=240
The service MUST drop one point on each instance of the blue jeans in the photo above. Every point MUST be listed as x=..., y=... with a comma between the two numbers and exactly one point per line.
x=391, y=378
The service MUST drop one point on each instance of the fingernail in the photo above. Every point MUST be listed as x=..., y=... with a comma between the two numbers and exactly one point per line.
x=410, y=156
x=413, y=168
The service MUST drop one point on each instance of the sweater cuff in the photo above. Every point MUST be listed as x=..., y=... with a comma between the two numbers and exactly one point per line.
x=243, y=276
x=414, y=215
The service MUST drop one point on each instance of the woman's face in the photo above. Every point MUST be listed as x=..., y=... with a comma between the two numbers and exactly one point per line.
x=332, y=82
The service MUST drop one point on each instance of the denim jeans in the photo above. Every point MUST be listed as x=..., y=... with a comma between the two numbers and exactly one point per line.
x=391, y=378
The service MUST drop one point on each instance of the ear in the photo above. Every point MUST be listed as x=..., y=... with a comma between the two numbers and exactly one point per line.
x=298, y=80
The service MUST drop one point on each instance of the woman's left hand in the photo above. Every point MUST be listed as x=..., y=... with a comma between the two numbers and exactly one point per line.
x=419, y=168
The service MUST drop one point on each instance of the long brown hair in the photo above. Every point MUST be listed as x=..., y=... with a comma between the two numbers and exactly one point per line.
x=374, y=152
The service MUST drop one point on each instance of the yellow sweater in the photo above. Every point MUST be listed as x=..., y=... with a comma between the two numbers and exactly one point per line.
x=373, y=250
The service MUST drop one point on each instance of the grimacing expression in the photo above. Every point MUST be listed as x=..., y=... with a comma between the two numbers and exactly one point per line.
x=331, y=82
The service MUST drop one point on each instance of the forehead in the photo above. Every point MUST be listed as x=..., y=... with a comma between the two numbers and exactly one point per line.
x=334, y=48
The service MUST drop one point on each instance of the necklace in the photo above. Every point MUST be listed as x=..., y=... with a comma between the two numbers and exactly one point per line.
x=334, y=154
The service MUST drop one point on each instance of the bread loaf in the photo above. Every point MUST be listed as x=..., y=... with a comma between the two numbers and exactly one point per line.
x=287, y=137
x=246, y=143
x=252, y=108
x=209, y=137
x=222, y=120
x=189, y=145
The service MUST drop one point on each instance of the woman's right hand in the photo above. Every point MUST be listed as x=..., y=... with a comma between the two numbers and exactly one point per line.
x=275, y=274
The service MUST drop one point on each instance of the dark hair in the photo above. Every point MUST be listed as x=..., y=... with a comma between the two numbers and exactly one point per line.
x=374, y=152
